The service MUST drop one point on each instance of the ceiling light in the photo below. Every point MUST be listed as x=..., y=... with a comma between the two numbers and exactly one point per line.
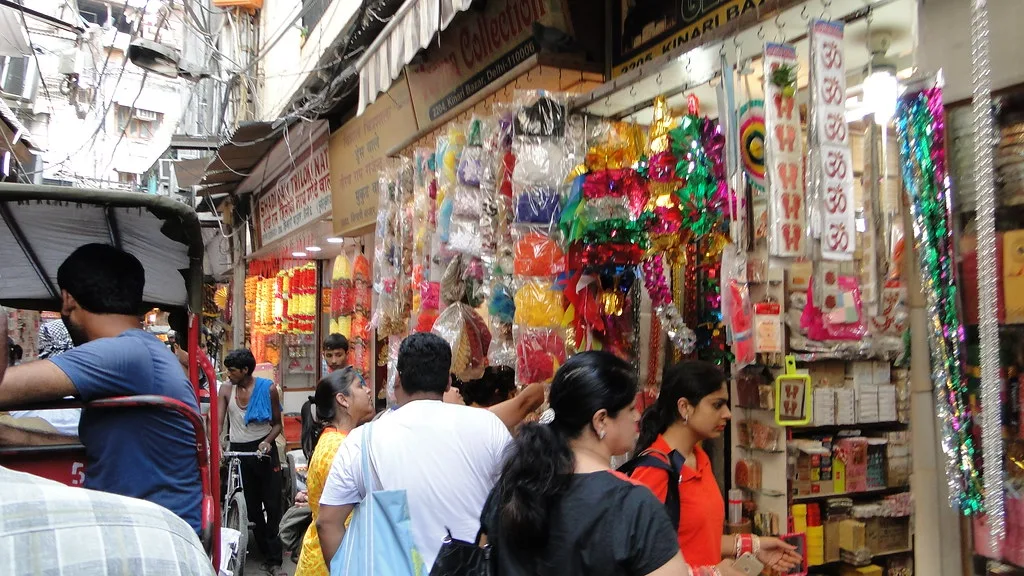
x=881, y=89
x=299, y=254
x=335, y=240
x=313, y=248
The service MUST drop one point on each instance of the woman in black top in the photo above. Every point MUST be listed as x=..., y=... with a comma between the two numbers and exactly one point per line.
x=558, y=508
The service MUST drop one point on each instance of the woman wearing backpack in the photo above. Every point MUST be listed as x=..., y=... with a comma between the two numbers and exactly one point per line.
x=558, y=508
x=693, y=406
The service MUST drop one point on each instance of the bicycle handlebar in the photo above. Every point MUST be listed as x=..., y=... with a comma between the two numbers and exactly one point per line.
x=227, y=454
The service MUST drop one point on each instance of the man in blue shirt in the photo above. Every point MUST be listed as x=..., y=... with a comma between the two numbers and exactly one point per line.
x=145, y=453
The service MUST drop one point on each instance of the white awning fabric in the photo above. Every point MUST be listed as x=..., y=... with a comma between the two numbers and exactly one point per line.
x=409, y=31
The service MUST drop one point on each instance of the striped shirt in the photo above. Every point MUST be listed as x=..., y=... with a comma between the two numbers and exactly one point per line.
x=50, y=529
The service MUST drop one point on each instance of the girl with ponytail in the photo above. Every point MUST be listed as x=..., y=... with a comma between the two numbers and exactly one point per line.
x=693, y=406
x=341, y=402
x=558, y=508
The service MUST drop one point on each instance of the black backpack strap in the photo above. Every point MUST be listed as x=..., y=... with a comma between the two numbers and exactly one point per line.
x=673, y=468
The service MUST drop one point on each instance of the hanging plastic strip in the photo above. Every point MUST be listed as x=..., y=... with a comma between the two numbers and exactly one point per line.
x=988, y=321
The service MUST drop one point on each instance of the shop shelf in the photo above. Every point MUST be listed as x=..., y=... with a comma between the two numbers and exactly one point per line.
x=866, y=494
x=864, y=427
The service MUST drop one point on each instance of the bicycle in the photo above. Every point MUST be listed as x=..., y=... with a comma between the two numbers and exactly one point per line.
x=234, y=513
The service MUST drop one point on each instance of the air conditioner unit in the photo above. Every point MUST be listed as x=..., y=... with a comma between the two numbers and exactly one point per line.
x=72, y=62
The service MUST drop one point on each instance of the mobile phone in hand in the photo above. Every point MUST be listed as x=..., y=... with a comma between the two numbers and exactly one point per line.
x=748, y=564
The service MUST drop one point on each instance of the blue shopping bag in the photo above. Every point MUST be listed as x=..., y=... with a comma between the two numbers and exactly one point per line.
x=378, y=541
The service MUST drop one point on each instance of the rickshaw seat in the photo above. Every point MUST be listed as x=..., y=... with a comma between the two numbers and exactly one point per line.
x=66, y=463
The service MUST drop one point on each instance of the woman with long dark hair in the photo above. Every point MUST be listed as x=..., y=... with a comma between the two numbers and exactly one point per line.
x=558, y=508
x=342, y=401
x=693, y=406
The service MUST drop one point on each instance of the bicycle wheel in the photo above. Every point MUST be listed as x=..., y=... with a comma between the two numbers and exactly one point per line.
x=238, y=519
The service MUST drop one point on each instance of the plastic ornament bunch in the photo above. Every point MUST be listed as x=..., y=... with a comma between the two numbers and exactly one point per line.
x=664, y=226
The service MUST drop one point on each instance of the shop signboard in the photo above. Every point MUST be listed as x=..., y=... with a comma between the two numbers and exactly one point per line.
x=298, y=197
x=477, y=49
x=358, y=150
x=647, y=29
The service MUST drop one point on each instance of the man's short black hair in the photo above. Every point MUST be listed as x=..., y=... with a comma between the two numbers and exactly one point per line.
x=424, y=360
x=103, y=280
x=336, y=342
x=239, y=359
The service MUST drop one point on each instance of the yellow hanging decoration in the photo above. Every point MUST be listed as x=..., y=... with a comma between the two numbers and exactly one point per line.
x=662, y=123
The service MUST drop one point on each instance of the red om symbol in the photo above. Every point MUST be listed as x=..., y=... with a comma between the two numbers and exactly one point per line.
x=838, y=237
x=835, y=127
x=836, y=201
x=835, y=166
x=832, y=92
x=832, y=55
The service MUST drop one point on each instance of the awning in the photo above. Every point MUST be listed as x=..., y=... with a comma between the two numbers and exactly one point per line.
x=409, y=31
x=190, y=172
x=26, y=143
x=237, y=156
x=14, y=40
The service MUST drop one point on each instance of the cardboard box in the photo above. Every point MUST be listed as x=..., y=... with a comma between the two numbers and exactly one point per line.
x=846, y=406
x=851, y=535
x=887, y=403
x=832, y=541
x=882, y=373
x=867, y=403
x=885, y=535
x=862, y=373
x=854, y=453
x=827, y=374
x=1013, y=276
x=815, y=545
x=824, y=410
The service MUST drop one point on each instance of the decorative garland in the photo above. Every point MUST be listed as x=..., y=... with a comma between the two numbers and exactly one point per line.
x=921, y=132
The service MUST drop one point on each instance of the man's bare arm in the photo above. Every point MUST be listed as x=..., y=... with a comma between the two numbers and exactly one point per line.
x=513, y=411
x=330, y=525
x=15, y=436
x=40, y=381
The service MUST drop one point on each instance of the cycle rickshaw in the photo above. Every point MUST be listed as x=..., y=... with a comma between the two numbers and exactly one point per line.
x=39, y=227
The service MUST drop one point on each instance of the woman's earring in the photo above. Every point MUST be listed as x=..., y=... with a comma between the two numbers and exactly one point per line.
x=686, y=419
x=601, y=434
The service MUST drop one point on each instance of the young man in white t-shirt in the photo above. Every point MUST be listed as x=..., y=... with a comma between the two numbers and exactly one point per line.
x=445, y=456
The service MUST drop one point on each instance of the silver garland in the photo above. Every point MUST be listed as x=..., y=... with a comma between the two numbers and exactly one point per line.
x=988, y=323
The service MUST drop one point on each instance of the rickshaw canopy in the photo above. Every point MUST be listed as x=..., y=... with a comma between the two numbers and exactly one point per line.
x=42, y=225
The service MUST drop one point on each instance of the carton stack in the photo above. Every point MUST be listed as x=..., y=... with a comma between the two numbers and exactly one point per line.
x=813, y=470
x=799, y=514
x=815, y=545
x=846, y=406
x=898, y=459
x=824, y=410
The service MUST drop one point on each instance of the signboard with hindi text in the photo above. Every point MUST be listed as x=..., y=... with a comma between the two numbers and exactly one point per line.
x=299, y=196
x=358, y=150
x=477, y=49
